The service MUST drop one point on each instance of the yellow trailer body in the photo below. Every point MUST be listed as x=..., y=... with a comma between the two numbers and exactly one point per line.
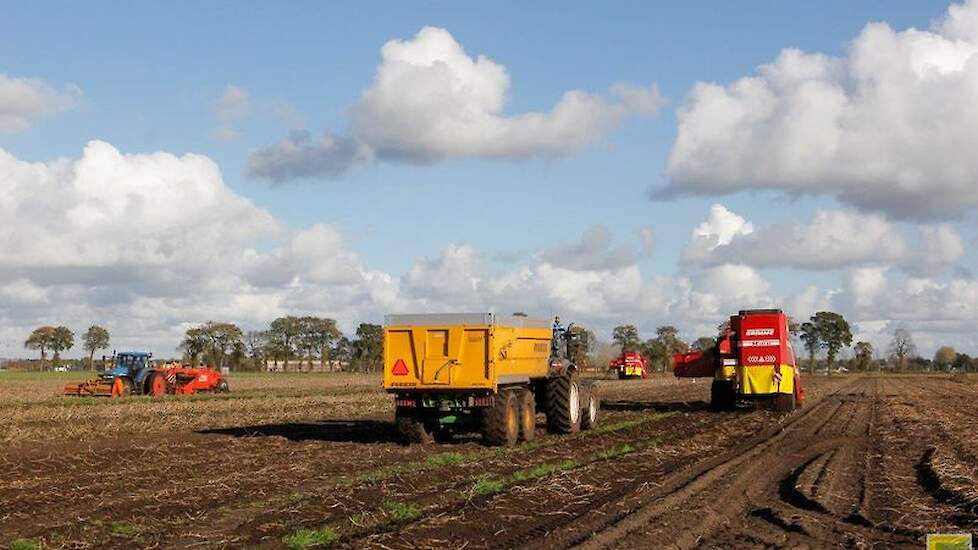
x=463, y=351
x=454, y=373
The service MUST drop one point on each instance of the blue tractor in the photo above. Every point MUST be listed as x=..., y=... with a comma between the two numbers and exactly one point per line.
x=128, y=373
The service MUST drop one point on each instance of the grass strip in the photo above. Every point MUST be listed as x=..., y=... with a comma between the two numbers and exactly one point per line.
x=305, y=539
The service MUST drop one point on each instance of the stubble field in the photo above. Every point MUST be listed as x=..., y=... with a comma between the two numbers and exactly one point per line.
x=299, y=460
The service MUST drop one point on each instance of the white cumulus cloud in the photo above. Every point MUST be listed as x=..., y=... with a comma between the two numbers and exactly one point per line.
x=25, y=100
x=832, y=239
x=431, y=100
x=888, y=127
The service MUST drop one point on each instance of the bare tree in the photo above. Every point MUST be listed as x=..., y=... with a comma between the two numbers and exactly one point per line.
x=902, y=347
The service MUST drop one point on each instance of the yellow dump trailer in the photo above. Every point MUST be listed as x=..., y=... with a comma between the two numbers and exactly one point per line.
x=483, y=372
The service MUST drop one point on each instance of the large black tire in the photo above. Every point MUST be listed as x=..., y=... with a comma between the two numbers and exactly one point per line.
x=591, y=407
x=563, y=404
x=412, y=429
x=722, y=395
x=528, y=415
x=501, y=421
x=783, y=402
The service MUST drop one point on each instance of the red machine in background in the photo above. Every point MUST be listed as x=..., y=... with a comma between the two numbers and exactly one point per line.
x=630, y=364
x=753, y=358
x=132, y=373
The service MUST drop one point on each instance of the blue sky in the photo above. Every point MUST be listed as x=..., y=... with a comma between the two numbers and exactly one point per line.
x=152, y=74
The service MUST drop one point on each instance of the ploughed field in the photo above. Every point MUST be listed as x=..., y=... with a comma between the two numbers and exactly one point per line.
x=299, y=460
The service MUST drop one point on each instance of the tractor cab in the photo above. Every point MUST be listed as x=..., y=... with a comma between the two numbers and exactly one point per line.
x=129, y=364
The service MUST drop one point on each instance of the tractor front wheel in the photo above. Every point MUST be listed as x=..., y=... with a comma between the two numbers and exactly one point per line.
x=222, y=386
x=121, y=387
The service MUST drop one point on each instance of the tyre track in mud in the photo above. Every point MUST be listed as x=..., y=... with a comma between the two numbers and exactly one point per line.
x=526, y=519
x=803, y=484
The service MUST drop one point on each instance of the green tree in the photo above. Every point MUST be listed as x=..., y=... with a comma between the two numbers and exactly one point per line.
x=319, y=335
x=704, y=343
x=95, y=338
x=660, y=349
x=812, y=341
x=902, y=347
x=256, y=344
x=626, y=337
x=944, y=357
x=368, y=349
x=222, y=339
x=40, y=339
x=62, y=339
x=282, y=336
x=834, y=332
x=962, y=363
x=194, y=344
x=864, y=355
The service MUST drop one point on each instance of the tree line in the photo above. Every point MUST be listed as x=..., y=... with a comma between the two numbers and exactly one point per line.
x=61, y=338
x=295, y=341
x=306, y=340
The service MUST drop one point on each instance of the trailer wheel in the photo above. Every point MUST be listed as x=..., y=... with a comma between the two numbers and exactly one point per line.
x=528, y=415
x=783, y=402
x=222, y=386
x=592, y=404
x=721, y=395
x=501, y=421
x=157, y=385
x=563, y=404
x=412, y=429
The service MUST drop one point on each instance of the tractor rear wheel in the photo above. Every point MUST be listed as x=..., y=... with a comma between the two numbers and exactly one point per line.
x=592, y=404
x=412, y=429
x=563, y=404
x=501, y=421
x=157, y=385
x=528, y=415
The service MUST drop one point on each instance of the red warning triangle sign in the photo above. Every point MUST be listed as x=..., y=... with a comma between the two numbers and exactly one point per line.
x=399, y=369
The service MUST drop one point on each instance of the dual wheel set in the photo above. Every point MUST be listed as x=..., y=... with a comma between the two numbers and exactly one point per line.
x=569, y=403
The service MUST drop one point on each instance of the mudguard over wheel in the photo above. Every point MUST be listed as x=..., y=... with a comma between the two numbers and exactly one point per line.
x=528, y=415
x=412, y=429
x=591, y=406
x=501, y=421
x=563, y=404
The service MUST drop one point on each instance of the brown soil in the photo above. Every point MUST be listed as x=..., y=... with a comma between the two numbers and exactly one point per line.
x=868, y=462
